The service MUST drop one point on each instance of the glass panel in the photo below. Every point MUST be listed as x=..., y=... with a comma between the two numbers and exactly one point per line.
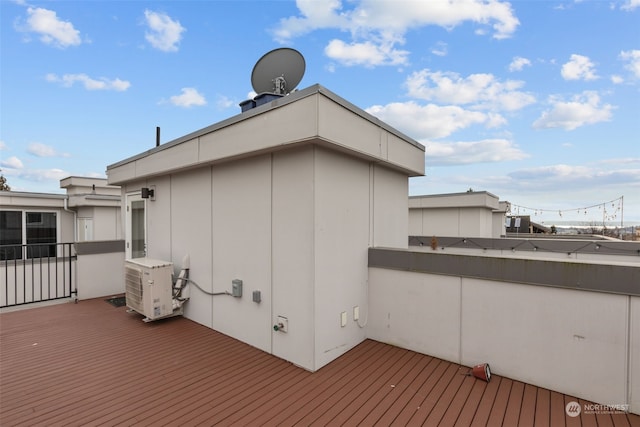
x=138, y=249
x=41, y=229
x=10, y=234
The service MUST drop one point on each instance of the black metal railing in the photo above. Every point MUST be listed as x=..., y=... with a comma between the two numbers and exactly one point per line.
x=36, y=272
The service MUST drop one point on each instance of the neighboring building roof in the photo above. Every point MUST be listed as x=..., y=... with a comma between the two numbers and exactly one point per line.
x=83, y=191
x=27, y=199
x=523, y=224
x=313, y=115
x=80, y=191
x=469, y=199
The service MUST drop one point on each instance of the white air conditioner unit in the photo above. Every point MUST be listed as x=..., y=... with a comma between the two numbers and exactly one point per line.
x=148, y=287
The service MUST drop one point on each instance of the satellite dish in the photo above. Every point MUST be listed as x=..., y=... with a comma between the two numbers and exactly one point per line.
x=278, y=72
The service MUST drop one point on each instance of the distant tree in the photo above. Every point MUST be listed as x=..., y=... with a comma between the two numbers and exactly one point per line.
x=554, y=230
x=3, y=183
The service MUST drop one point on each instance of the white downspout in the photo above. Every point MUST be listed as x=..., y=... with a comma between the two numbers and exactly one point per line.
x=75, y=218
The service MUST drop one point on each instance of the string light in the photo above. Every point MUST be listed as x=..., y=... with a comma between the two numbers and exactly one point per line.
x=617, y=206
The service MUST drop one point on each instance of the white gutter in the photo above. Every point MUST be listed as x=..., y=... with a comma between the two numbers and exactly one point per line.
x=75, y=218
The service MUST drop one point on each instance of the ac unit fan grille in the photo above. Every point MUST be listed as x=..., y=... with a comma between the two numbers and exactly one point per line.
x=133, y=288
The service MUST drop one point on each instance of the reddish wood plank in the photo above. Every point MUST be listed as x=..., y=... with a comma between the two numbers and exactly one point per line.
x=426, y=405
x=486, y=403
x=571, y=421
x=528, y=410
x=413, y=393
x=93, y=364
x=354, y=396
x=445, y=398
x=543, y=403
x=499, y=408
x=557, y=413
x=588, y=420
x=634, y=420
x=459, y=401
x=384, y=396
x=512, y=411
x=393, y=402
x=468, y=412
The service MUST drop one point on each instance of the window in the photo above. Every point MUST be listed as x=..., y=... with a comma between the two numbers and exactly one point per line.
x=38, y=230
x=10, y=234
x=41, y=229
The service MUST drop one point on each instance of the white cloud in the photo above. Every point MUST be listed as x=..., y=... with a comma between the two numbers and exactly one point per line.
x=578, y=68
x=12, y=163
x=630, y=5
x=378, y=26
x=368, y=54
x=615, y=79
x=467, y=152
x=3, y=146
x=68, y=80
x=621, y=161
x=42, y=150
x=632, y=59
x=164, y=33
x=223, y=102
x=430, y=121
x=52, y=30
x=583, y=109
x=41, y=175
x=518, y=63
x=567, y=176
x=188, y=98
x=440, y=49
x=481, y=91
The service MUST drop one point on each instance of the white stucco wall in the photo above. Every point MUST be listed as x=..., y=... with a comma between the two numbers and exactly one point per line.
x=106, y=223
x=287, y=197
x=189, y=233
x=99, y=275
x=468, y=214
x=390, y=204
x=634, y=355
x=293, y=275
x=294, y=225
x=241, y=242
x=574, y=342
x=342, y=220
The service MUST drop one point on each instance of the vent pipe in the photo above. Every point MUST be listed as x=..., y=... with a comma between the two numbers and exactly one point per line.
x=157, y=136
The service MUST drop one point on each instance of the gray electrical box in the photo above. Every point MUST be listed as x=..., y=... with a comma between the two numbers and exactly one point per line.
x=257, y=296
x=236, y=288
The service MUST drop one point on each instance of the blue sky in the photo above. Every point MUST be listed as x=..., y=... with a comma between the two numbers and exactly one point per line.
x=537, y=102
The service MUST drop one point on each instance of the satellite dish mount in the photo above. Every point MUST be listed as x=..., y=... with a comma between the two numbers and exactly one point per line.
x=280, y=86
x=276, y=74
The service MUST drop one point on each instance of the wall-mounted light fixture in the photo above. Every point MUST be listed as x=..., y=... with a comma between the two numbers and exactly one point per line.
x=147, y=193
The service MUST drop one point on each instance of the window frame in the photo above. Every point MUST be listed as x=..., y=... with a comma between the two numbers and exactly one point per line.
x=25, y=253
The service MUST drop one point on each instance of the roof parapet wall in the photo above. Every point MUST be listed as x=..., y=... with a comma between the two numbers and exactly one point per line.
x=311, y=116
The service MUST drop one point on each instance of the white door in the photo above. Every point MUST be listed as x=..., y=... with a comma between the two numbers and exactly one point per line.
x=136, y=227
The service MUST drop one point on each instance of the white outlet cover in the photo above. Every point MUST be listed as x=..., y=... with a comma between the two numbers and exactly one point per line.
x=356, y=312
x=343, y=319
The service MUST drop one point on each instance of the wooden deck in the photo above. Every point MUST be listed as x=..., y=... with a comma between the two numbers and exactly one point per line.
x=90, y=364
